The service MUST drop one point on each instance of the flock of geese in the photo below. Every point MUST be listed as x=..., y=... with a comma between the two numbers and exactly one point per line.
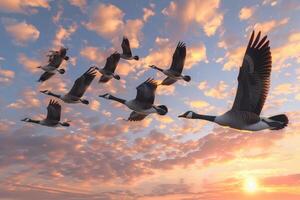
x=253, y=86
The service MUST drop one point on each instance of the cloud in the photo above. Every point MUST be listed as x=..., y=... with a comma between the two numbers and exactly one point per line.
x=162, y=56
x=187, y=12
x=218, y=92
x=28, y=63
x=288, y=50
x=106, y=20
x=6, y=76
x=147, y=13
x=161, y=41
x=198, y=104
x=246, y=13
x=268, y=26
x=63, y=34
x=23, y=6
x=21, y=32
x=94, y=105
x=79, y=3
x=133, y=30
x=29, y=100
x=234, y=58
x=94, y=54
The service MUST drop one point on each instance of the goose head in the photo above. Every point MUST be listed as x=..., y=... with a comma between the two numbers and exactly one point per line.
x=188, y=114
x=63, y=51
x=105, y=96
x=45, y=91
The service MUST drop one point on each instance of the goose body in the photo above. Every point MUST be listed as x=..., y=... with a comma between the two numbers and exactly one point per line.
x=79, y=87
x=108, y=71
x=253, y=87
x=126, y=50
x=53, y=116
x=142, y=105
x=175, y=72
x=54, y=62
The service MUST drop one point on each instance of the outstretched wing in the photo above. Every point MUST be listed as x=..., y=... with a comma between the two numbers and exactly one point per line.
x=112, y=62
x=146, y=93
x=178, y=58
x=45, y=76
x=134, y=116
x=126, y=47
x=254, y=76
x=54, y=110
x=83, y=82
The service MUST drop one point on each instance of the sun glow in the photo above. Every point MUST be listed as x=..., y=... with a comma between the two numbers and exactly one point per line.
x=250, y=185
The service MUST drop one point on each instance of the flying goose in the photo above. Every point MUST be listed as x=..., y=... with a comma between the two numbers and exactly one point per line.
x=53, y=116
x=253, y=87
x=174, y=73
x=78, y=89
x=126, y=54
x=108, y=71
x=54, y=61
x=142, y=105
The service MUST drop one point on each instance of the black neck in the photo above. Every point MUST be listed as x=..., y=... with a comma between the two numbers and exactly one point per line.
x=55, y=95
x=159, y=69
x=34, y=121
x=117, y=99
x=204, y=117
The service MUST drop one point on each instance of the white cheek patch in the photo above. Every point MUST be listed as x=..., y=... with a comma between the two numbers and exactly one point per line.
x=190, y=115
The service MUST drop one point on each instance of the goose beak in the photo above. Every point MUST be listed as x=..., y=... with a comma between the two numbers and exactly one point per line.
x=181, y=116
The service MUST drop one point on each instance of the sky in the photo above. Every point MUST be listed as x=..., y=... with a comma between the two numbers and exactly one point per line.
x=101, y=156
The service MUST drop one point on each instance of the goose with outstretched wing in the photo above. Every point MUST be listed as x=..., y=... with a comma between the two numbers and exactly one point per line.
x=143, y=104
x=79, y=87
x=126, y=50
x=175, y=72
x=53, y=116
x=54, y=62
x=108, y=71
x=253, y=87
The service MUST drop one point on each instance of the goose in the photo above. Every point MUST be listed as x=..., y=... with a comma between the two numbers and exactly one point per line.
x=54, y=62
x=142, y=105
x=174, y=73
x=108, y=71
x=252, y=91
x=126, y=54
x=78, y=89
x=53, y=116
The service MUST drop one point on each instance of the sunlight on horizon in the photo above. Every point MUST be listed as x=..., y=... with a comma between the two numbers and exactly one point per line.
x=250, y=185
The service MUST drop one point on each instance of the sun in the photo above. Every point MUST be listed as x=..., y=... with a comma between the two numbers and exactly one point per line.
x=250, y=185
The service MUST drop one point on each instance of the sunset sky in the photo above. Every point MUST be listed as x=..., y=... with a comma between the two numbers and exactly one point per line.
x=103, y=157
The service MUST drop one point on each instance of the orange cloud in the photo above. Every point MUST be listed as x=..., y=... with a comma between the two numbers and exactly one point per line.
x=289, y=50
x=218, y=92
x=28, y=63
x=246, y=13
x=63, y=34
x=21, y=32
x=188, y=12
x=147, y=14
x=133, y=30
x=23, y=6
x=106, y=20
x=6, y=76
x=268, y=26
